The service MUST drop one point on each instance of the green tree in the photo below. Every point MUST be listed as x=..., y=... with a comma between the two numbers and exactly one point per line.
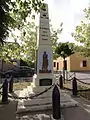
x=82, y=34
x=13, y=13
x=64, y=50
x=29, y=37
x=24, y=46
x=54, y=36
x=11, y=50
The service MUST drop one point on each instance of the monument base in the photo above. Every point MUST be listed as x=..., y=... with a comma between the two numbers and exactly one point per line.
x=43, y=101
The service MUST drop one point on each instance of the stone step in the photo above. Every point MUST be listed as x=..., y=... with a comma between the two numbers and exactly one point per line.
x=42, y=104
x=43, y=107
x=43, y=101
x=34, y=108
x=37, y=101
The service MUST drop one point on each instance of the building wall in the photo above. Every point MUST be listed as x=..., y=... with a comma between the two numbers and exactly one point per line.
x=68, y=63
x=58, y=61
x=54, y=66
x=74, y=63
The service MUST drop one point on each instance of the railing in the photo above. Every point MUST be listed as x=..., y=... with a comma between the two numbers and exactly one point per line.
x=79, y=90
x=80, y=87
x=13, y=96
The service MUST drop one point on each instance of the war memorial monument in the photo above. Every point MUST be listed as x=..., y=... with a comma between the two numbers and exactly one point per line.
x=43, y=81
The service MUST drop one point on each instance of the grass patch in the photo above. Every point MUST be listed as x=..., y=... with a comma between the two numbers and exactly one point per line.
x=20, y=85
x=85, y=94
x=80, y=87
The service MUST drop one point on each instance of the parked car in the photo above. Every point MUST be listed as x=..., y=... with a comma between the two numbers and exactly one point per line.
x=21, y=71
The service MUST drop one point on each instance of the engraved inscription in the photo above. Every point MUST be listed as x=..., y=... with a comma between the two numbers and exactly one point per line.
x=45, y=82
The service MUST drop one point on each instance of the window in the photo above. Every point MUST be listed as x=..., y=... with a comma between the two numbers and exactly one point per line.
x=44, y=8
x=54, y=64
x=44, y=15
x=84, y=63
x=57, y=66
x=44, y=31
x=44, y=39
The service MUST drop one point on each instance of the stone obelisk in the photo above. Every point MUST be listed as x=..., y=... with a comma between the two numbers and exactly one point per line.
x=44, y=53
x=44, y=78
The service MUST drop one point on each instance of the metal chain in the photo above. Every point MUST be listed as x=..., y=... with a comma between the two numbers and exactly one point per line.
x=82, y=90
x=38, y=94
x=79, y=80
x=82, y=81
x=33, y=96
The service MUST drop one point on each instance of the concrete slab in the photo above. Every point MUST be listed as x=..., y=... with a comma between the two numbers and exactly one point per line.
x=39, y=115
x=43, y=102
x=75, y=113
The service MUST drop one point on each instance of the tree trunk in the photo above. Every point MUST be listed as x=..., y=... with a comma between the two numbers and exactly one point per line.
x=64, y=70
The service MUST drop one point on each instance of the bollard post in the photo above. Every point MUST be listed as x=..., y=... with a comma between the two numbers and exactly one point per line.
x=61, y=82
x=5, y=91
x=11, y=84
x=74, y=86
x=56, y=103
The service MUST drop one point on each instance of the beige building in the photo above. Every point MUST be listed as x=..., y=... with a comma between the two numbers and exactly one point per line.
x=75, y=62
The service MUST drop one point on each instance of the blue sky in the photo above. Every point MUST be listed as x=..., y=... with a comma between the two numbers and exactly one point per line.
x=70, y=12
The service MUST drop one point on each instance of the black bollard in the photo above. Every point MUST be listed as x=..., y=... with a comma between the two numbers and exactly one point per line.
x=74, y=86
x=11, y=85
x=61, y=82
x=5, y=91
x=56, y=103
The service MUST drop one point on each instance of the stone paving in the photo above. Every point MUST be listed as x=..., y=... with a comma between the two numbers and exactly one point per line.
x=7, y=111
x=35, y=104
x=82, y=112
x=40, y=115
x=68, y=113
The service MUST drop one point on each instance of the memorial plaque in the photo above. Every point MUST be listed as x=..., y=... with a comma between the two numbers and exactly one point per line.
x=45, y=82
x=44, y=39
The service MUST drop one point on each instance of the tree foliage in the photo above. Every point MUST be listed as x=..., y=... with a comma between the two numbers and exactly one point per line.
x=82, y=33
x=54, y=36
x=29, y=37
x=65, y=49
x=13, y=14
x=10, y=51
x=24, y=46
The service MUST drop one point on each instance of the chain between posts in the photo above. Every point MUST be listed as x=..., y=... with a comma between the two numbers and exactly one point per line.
x=88, y=89
x=78, y=81
x=33, y=96
x=37, y=94
x=82, y=81
x=30, y=97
